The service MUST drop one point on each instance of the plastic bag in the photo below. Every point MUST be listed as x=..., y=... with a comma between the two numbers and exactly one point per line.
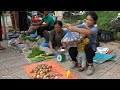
x=20, y=47
x=11, y=43
x=34, y=35
x=102, y=50
x=46, y=49
x=70, y=39
x=44, y=44
x=36, y=19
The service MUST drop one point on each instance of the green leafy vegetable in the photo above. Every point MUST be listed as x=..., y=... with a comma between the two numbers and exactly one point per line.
x=35, y=52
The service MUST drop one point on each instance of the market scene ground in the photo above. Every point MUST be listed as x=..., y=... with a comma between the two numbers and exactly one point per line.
x=12, y=63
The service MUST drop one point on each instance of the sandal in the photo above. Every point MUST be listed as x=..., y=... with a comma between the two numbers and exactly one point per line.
x=81, y=69
x=78, y=66
x=2, y=48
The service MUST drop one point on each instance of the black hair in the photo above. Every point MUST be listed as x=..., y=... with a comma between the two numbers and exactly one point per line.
x=93, y=15
x=59, y=23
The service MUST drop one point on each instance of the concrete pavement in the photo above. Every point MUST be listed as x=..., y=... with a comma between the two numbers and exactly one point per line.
x=12, y=62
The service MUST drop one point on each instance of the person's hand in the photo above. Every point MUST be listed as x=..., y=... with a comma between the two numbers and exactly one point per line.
x=66, y=25
x=69, y=27
x=53, y=50
x=87, y=27
x=62, y=47
x=33, y=24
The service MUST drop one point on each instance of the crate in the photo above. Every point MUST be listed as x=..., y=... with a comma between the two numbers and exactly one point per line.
x=105, y=36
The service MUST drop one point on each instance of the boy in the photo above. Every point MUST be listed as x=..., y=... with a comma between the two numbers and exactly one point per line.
x=81, y=53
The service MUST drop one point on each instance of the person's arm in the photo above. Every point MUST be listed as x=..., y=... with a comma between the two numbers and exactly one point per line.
x=83, y=36
x=62, y=47
x=78, y=22
x=41, y=25
x=51, y=47
x=80, y=30
x=44, y=25
x=50, y=41
x=36, y=24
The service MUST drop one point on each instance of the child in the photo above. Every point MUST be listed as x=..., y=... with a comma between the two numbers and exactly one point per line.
x=81, y=53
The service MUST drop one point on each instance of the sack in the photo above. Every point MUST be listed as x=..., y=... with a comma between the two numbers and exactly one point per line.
x=70, y=39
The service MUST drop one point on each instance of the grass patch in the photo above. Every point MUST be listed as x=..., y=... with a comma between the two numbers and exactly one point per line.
x=104, y=18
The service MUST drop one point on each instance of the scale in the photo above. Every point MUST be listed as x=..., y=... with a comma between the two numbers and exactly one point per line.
x=61, y=55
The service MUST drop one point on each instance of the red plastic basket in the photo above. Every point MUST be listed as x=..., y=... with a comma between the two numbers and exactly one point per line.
x=35, y=19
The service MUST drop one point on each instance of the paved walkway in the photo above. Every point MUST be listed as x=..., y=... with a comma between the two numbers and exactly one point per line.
x=12, y=62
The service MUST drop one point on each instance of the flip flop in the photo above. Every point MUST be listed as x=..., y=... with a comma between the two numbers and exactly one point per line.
x=81, y=69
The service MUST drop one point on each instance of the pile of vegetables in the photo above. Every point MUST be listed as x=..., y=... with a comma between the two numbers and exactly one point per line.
x=41, y=58
x=38, y=55
x=35, y=52
x=24, y=38
x=33, y=42
x=29, y=38
x=42, y=71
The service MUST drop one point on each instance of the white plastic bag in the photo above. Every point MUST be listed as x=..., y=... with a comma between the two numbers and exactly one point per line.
x=102, y=50
x=70, y=39
x=11, y=43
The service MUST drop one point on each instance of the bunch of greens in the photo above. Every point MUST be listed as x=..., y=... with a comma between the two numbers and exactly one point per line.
x=24, y=37
x=41, y=58
x=35, y=52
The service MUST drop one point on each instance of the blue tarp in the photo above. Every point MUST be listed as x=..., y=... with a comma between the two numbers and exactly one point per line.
x=101, y=58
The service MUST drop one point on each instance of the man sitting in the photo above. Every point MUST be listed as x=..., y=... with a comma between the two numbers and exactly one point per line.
x=47, y=23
